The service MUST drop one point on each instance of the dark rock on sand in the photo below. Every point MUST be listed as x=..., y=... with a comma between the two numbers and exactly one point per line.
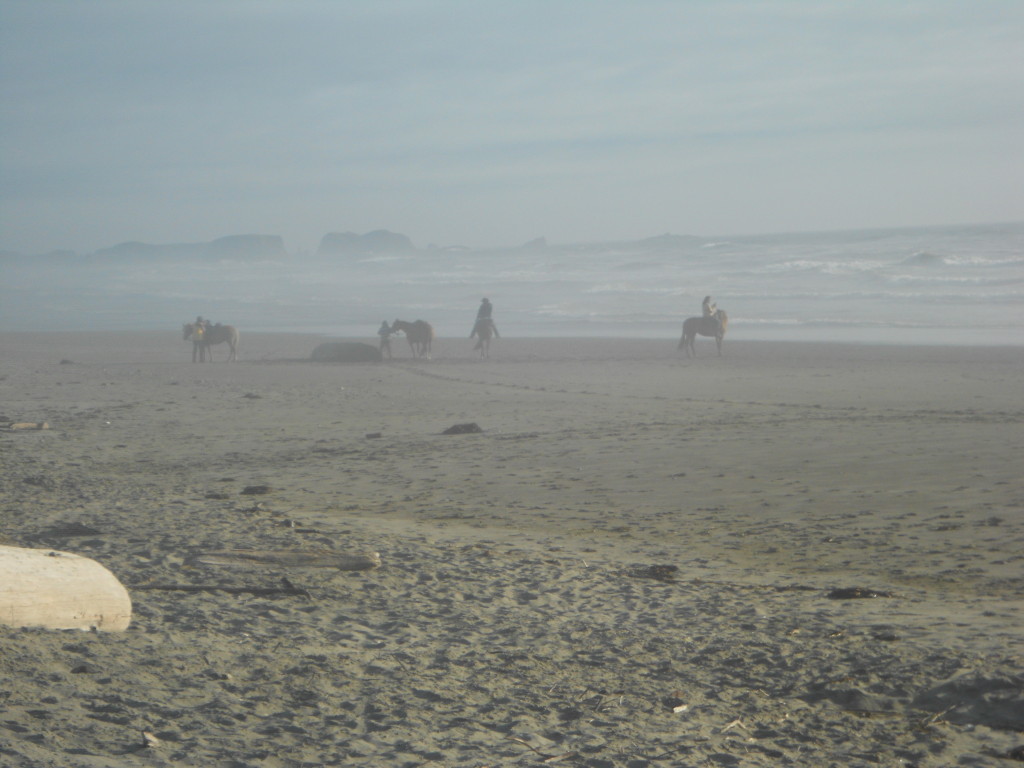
x=656, y=572
x=463, y=429
x=857, y=593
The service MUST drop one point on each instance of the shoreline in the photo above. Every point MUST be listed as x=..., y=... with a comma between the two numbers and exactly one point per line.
x=520, y=607
x=969, y=338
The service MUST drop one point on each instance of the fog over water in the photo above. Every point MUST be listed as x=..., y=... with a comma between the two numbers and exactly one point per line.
x=586, y=128
x=945, y=285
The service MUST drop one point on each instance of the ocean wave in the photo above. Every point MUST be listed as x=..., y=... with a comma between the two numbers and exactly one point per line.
x=829, y=322
x=962, y=281
x=831, y=267
x=1015, y=260
x=924, y=259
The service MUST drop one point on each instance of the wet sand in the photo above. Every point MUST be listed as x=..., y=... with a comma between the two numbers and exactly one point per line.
x=633, y=563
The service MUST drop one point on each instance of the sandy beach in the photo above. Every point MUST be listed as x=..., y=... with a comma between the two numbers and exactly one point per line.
x=639, y=560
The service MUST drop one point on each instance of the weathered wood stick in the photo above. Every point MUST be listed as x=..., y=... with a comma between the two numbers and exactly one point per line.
x=292, y=559
x=258, y=591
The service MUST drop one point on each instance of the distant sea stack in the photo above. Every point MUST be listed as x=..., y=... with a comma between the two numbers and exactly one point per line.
x=372, y=243
x=230, y=247
x=668, y=241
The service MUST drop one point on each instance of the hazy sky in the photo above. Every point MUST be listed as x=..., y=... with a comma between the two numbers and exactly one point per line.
x=492, y=122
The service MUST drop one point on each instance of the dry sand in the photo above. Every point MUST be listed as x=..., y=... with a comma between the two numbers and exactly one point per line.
x=527, y=611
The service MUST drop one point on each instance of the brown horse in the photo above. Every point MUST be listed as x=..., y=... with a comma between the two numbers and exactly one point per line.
x=484, y=330
x=705, y=326
x=202, y=338
x=420, y=335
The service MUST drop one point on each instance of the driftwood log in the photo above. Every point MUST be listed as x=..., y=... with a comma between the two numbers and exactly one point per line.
x=15, y=425
x=60, y=590
x=292, y=559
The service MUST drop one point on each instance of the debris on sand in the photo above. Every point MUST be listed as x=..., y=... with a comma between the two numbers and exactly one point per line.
x=656, y=572
x=857, y=593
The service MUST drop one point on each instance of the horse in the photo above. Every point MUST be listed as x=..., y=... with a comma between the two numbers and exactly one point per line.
x=705, y=327
x=202, y=338
x=420, y=334
x=484, y=330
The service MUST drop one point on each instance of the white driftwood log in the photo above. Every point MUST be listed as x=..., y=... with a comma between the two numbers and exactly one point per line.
x=60, y=590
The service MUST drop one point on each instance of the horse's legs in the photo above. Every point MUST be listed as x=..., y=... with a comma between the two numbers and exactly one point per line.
x=685, y=341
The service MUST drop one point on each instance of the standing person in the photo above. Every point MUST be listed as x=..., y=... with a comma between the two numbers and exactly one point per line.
x=484, y=313
x=385, y=332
